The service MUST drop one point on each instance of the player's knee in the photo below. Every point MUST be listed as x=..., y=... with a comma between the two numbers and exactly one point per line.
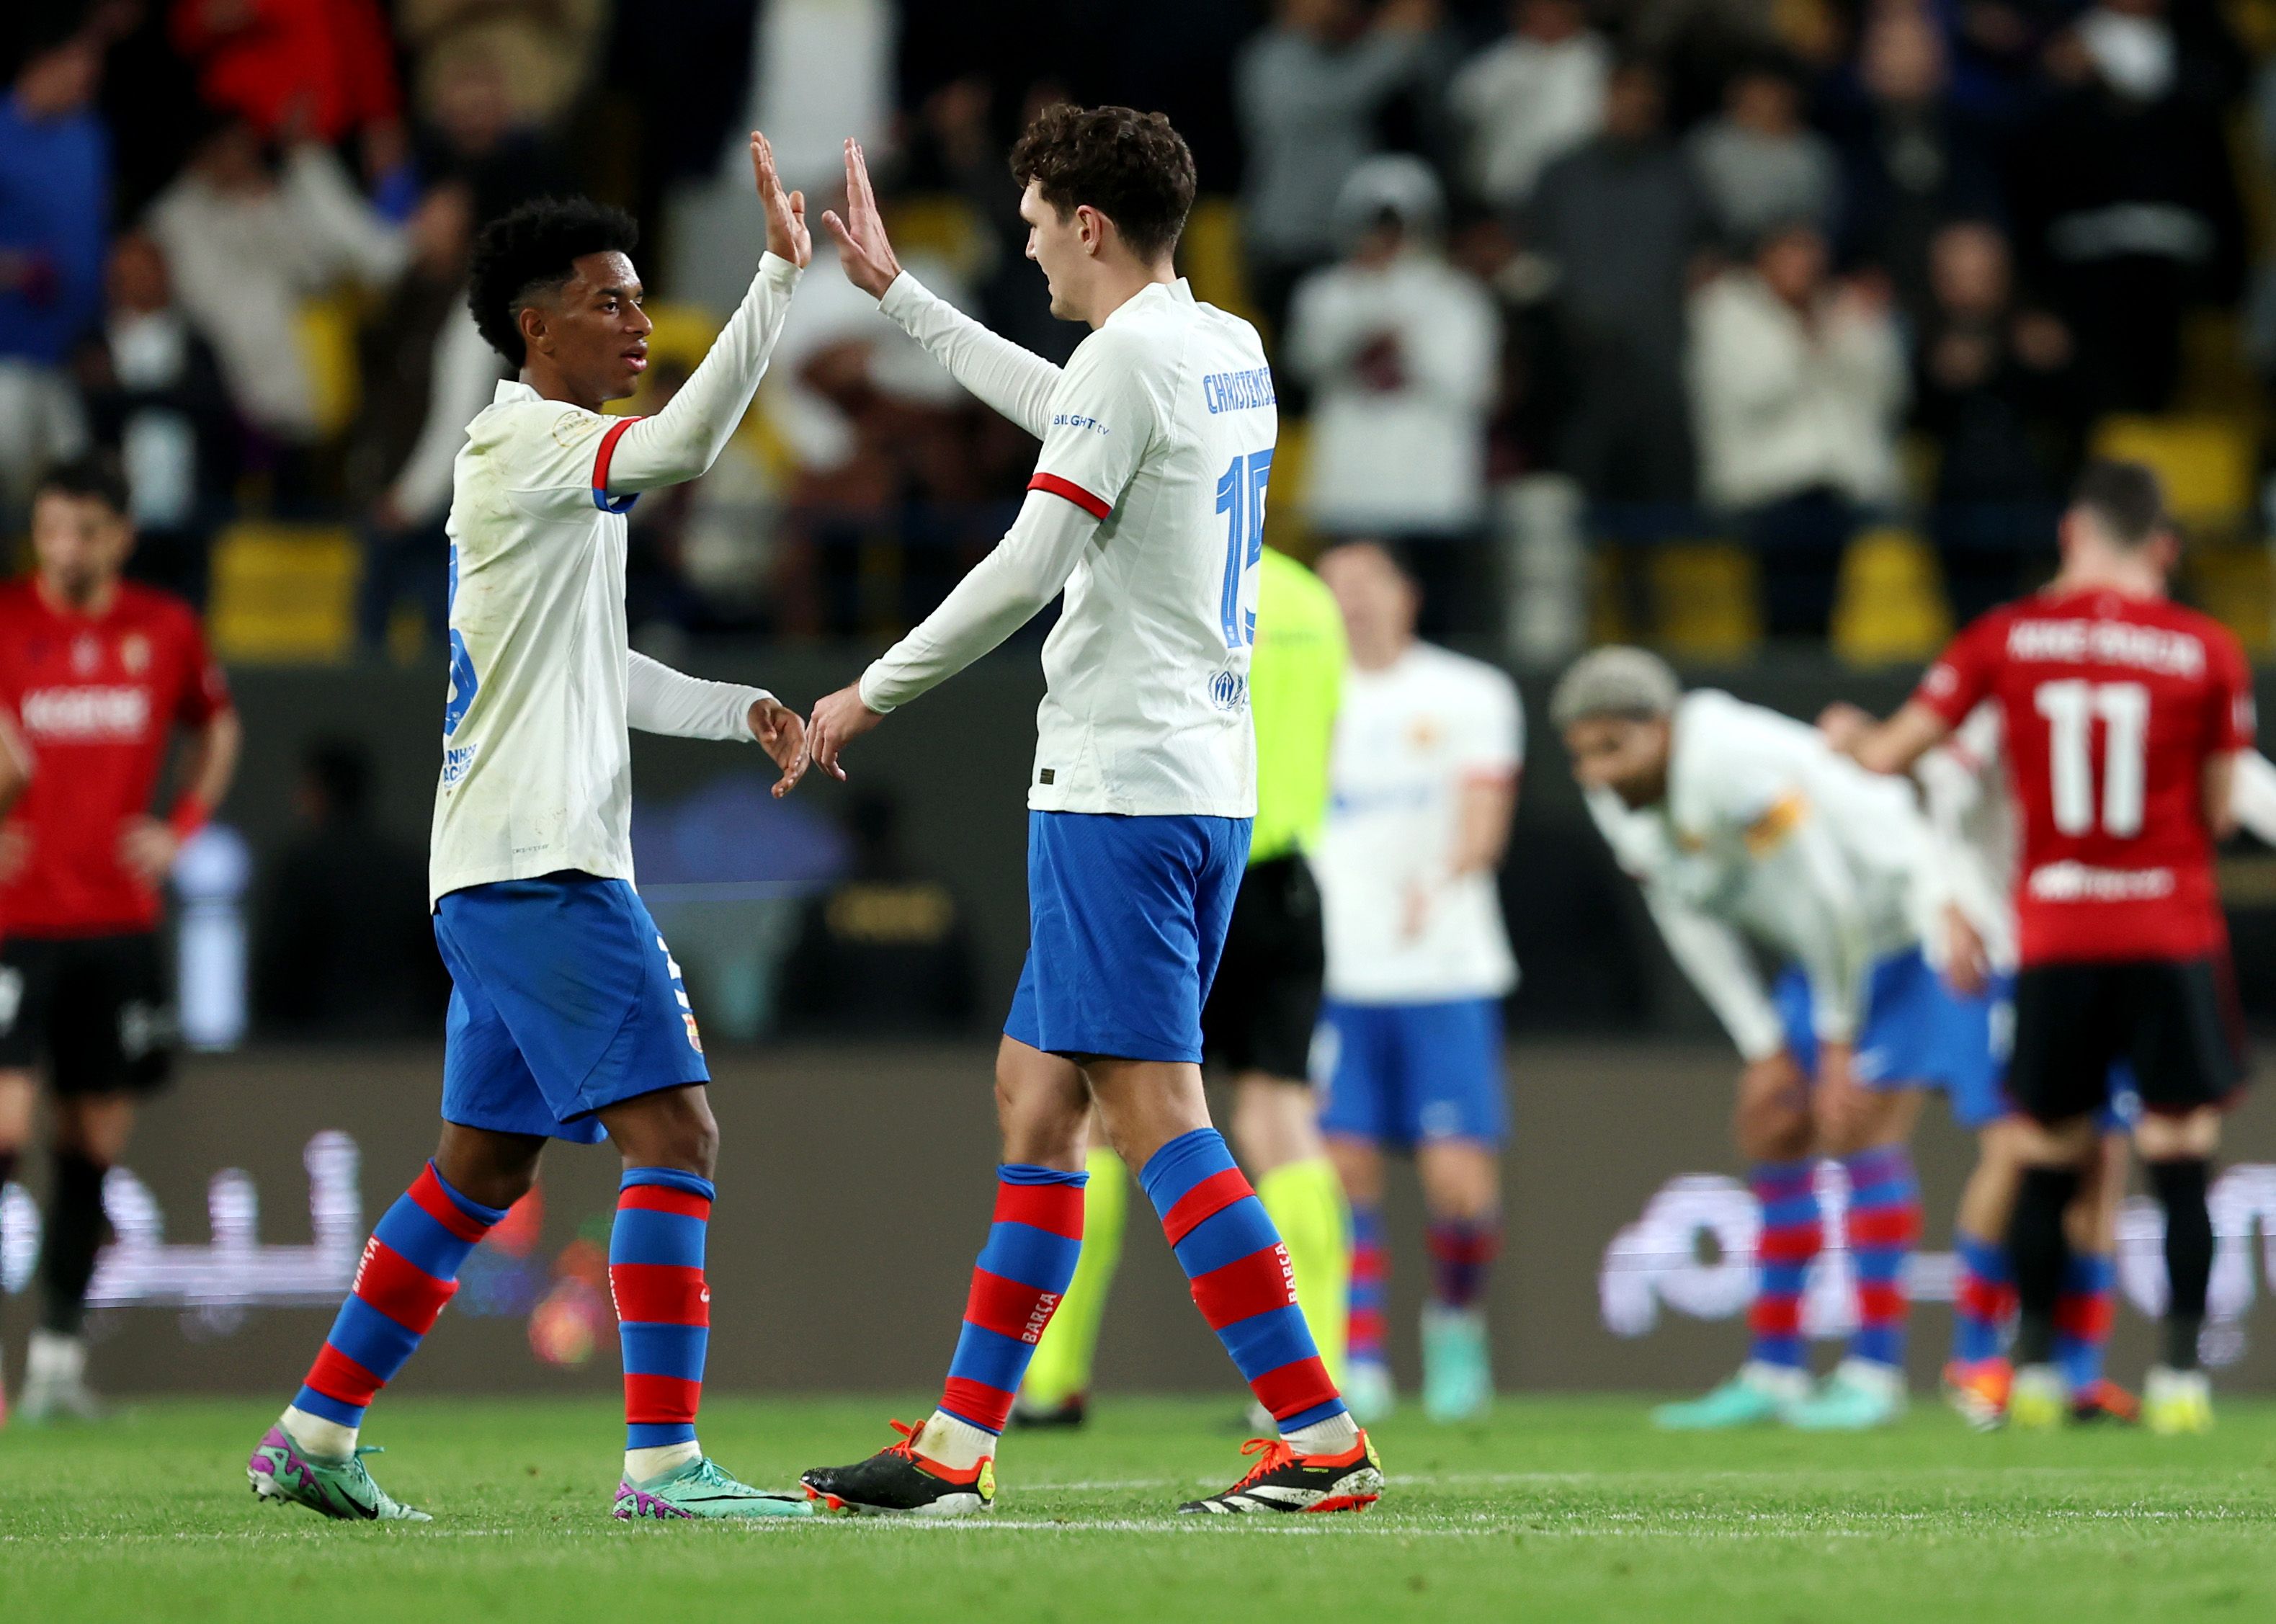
x=1773, y=1131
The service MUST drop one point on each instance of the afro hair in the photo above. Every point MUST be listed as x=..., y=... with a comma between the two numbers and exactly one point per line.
x=533, y=250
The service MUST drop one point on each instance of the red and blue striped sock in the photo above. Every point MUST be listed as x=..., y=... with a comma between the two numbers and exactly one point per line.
x=1462, y=1251
x=2084, y=1313
x=1021, y=1274
x=1244, y=1286
x=1884, y=1225
x=1794, y=1233
x=1984, y=1302
x=409, y=1270
x=1366, y=1323
x=664, y=1305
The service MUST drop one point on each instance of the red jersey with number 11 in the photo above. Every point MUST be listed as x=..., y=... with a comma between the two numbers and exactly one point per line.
x=2112, y=705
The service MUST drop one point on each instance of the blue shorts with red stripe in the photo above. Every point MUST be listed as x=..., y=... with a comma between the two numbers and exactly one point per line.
x=563, y=1000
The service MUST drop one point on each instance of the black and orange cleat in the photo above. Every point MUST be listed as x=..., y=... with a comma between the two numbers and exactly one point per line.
x=2103, y=1399
x=898, y=1481
x=1283, y=1480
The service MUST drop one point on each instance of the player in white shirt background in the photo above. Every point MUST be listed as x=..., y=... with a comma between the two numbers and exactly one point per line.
x=1147, y=508
x=568, y=1019
x=1743, y=827
x=1423, y=783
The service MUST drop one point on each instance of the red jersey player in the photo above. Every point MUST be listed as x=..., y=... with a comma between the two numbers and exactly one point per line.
x=2124, y=715
x=95, y=674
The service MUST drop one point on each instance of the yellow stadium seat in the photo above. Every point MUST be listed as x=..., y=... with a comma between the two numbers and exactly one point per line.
x=285, y=592
x=2204, y=462
x=1210, y=255
x=1285, y=525
x=942, y=224
x=326, y=334
x=2235, y=583
x=1706, y=600
x=1889, y=606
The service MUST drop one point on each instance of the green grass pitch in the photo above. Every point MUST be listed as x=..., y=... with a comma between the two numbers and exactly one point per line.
x=1556, y=1509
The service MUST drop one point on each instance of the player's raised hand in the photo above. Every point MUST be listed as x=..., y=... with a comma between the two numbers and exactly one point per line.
x=787, y=237
x=838, y=720
x=781, y=732
x=863, y=248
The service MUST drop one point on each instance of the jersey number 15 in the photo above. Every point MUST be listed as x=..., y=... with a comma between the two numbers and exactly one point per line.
x=1241, y=499
x=2071, y=708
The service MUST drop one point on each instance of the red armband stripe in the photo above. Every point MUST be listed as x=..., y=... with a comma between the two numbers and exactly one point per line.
x=601, y=460
x=1095, y=506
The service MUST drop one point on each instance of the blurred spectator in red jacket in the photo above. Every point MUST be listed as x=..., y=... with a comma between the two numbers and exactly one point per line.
x=319, y=68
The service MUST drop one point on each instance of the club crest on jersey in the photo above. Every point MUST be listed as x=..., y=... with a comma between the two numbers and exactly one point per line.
x=1228, y=690
x=134, y=653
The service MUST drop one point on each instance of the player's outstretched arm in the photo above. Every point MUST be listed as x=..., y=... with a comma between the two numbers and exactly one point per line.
x=1897, y=743
x=660, y=700
x=1003, y=592
x=683, y=440
x=1015, y=382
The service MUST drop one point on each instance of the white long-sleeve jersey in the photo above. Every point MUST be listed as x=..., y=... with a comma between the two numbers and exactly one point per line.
x=1147, y=508
x=1971, y=815
x=1767, y=835
x=536, y=759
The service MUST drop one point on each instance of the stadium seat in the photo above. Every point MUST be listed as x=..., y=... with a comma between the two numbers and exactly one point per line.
x=1706, y=600
x=327, y=338
x=942, y=224
x=1210, y=255
x=1889, y=606
x=1286, y=526
x=2205, y=462
x=285, y=592
x=2235, y=583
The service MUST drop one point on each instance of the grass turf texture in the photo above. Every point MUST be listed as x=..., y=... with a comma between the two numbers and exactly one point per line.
x=1557, y=1509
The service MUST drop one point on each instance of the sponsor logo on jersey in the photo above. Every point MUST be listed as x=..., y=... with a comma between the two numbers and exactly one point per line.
x=2078, y=882
x=1076, y=420
x=2107, y=642
x=86, y=713
x=1239, y=392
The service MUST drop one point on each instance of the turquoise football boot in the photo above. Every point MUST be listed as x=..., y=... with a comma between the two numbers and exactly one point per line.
x=1457, y=1375
x=341, y=1489
x=699, y=1488
x=1859, y=1396
x=1758, y=1395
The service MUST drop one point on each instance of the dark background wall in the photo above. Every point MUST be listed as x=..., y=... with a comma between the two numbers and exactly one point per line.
x=854, y=1190
x=958, y=762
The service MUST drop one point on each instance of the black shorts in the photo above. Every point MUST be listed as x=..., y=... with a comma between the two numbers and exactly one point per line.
x=1261, y=1012
x=2174, y=1021
x=92, y=1008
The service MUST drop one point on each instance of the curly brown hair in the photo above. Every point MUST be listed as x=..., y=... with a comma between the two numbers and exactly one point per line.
x=1130, y=166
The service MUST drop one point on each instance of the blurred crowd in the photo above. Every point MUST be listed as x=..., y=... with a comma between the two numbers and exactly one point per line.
x=1622, y=273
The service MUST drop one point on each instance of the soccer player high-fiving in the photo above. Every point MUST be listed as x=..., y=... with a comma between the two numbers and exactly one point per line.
x=1147, y=508
x=567, y=1018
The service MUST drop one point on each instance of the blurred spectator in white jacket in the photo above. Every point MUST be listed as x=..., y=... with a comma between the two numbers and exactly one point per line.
x=1401, y=352
x=1529, y=98
x=247, y=245
x=1797, y=386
